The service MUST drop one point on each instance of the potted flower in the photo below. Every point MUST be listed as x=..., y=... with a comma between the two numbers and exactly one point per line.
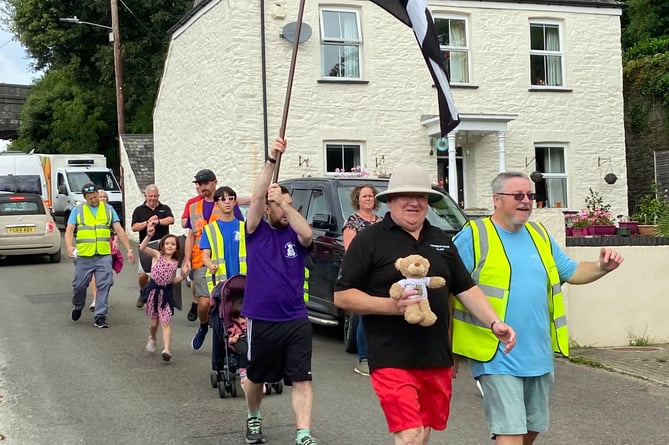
x=595, y=218
x=579, y=223
x=649, y=211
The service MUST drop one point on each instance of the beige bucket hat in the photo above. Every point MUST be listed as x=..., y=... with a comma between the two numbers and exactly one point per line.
x=410, y=179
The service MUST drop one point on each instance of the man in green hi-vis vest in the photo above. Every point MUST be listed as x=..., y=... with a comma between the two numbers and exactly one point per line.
x=521, y=268
x=93, y=221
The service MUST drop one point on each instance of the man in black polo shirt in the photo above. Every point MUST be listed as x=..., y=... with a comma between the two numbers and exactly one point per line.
x=410, y=365
x=152, y=211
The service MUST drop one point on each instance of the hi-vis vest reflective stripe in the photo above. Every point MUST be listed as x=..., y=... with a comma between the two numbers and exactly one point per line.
x=492, y=272
x=93, y=231
x=216, y=242
x=306, y=284
x=197, y=223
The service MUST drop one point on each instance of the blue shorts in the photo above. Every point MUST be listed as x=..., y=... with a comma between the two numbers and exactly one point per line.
x=516, y=405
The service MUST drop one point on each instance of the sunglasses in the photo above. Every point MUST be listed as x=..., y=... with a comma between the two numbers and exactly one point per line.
x=90, y=188
x=227, y=198
x=519, y=196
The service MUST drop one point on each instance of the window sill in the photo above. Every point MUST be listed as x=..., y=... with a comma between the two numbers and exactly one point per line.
x=463, y=86
x=549, y=89
x=344, y=81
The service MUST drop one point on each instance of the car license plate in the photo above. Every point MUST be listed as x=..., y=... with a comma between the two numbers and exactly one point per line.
x=23, y=229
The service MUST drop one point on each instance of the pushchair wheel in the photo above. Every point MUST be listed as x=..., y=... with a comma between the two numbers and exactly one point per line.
x=213, y=378
x=268, y=389
x=278, y=387
x=221, y=390
x=233, y=389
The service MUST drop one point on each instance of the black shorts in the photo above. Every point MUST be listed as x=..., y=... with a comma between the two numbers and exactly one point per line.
x=279, y=350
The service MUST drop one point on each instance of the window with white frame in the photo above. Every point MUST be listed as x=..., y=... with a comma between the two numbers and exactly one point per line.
x=545, y=55
x=340, y=43
x=552, y=190
x=452, y=33
x=342, y=157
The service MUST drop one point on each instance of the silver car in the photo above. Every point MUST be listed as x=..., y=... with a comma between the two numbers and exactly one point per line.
x=27, y=227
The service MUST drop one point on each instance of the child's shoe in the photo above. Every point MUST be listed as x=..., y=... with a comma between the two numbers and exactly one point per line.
x=151, y=345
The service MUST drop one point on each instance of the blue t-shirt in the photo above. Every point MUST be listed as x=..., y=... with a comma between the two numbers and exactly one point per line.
x=231, y=238
x=527, y=309
x=73, y=215
x=275, y=279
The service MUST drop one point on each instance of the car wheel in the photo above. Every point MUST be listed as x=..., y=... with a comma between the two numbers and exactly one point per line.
x=55, y=258
x=350, y=332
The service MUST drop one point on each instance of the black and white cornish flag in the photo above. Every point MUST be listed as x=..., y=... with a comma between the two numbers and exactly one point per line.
x=414, y=13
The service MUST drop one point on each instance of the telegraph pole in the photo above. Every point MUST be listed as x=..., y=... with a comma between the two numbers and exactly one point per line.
x=120, y=115
x=118, y=69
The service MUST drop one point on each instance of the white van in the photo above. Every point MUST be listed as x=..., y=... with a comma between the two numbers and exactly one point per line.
x=22, y=173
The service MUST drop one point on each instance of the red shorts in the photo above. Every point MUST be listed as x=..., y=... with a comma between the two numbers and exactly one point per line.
x=411, y=398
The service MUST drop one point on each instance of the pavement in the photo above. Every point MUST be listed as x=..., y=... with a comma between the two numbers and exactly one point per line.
x=649, y=363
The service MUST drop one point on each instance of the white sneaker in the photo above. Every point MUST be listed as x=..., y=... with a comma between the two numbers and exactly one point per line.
x=92, y=306
x=151, y=345
x=480, y=388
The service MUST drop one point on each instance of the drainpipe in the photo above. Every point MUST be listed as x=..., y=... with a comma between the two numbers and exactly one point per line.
x=263, y=71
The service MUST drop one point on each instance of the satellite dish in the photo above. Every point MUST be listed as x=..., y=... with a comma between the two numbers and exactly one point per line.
x=290, y=30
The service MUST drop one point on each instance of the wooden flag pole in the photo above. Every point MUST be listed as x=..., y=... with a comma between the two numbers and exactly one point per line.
x=289, y=87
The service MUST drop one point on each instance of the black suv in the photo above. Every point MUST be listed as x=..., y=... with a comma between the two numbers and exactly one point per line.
x=326, y=203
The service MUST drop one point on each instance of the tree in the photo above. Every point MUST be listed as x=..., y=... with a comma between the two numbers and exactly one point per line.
x=643, y=20
x=72, y=108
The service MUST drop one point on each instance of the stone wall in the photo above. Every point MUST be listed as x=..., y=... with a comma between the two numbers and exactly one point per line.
x=645, y=131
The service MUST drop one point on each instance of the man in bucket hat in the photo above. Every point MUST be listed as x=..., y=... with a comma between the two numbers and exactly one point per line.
x=410, y=365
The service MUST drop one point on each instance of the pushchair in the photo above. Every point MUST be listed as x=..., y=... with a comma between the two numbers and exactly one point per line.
x=226, y=359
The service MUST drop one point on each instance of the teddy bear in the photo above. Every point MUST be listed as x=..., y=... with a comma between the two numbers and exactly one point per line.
x=415, y=268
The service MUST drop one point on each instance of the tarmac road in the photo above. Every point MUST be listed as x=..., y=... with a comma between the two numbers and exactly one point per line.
x=63, y=382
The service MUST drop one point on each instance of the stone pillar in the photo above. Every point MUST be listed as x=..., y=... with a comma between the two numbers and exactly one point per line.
x=501, y=150
x=452, y=167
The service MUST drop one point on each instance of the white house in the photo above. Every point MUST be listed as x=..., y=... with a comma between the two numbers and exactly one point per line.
x=538, y=85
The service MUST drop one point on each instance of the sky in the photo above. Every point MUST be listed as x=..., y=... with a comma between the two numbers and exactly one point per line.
x=14, y=65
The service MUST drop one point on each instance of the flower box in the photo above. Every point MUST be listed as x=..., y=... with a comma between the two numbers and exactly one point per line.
x=632, y=225
x=569, y=231
x=601, y=230
x=580, y=232
x=647, y=230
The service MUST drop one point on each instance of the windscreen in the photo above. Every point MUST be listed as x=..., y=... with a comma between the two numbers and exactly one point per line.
x=25, y=206
x=21, y=184
x=102, y=180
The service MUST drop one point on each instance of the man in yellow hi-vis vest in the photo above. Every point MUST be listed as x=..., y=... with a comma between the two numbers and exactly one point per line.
x=520, y=268
x=223, y=248
x=93, y=221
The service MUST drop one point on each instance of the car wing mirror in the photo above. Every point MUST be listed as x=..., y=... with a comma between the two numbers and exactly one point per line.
x=323, y=221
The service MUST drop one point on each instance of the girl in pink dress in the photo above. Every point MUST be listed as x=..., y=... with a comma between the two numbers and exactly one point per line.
x=159, y=304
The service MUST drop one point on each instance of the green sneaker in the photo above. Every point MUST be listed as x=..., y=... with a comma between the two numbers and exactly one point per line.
x=254, y=430
x=362, y=368
x=306, y=440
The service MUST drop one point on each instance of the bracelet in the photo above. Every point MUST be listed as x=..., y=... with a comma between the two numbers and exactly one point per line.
x=493, y=324
x=271, y=161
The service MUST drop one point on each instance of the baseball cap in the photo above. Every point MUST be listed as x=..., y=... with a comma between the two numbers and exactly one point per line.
x=205, y=175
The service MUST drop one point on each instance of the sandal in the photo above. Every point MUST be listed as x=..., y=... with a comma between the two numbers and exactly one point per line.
x=166, y=355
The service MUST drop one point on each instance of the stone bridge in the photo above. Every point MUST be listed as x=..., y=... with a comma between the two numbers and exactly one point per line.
x=12, y=98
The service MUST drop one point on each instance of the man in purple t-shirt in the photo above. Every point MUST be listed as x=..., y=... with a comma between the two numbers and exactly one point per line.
x=278, y=327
